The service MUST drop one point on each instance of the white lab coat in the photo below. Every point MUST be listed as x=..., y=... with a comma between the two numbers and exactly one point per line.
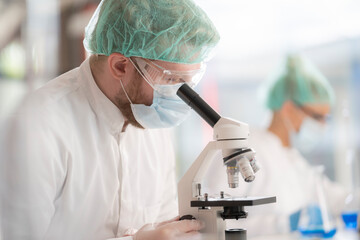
x=68, y=172
x=285, y=174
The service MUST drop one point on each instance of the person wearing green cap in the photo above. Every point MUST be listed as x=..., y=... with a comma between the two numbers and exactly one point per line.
x=300, y=98
x=89, y=155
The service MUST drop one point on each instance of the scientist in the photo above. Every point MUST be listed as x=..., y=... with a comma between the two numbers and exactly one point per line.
x=87, y=155
x=300, y=99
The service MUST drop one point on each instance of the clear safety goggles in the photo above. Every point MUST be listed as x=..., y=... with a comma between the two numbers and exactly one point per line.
x=157, y=75
x=316, y=116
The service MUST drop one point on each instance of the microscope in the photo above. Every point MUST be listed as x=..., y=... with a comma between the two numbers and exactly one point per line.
x=231, y=138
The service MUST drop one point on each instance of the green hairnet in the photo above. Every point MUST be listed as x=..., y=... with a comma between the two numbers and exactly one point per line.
x=170, y=30
x=298, y=81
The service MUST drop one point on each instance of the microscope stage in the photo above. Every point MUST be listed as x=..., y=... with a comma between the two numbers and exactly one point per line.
x=232, y=201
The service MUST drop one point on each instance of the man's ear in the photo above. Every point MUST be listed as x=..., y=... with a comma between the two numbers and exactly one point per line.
x=291, y=112
x=118, y=65
x=288, y=108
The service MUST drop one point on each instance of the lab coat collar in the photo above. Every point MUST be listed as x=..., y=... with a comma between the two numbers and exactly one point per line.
x=293, y=153
x=102, y=106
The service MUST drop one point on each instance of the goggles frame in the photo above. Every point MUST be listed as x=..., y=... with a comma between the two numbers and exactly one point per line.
x=316, y=116
x=155, y=74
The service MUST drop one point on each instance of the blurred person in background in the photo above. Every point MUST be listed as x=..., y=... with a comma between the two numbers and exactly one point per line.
x=300, y=99
x=87, y=156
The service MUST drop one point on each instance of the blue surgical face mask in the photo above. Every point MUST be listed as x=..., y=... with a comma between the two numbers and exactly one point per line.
x=166, y=110
x=309, y=135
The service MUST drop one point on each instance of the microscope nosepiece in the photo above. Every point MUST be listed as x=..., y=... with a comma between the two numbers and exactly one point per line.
x=242, y=161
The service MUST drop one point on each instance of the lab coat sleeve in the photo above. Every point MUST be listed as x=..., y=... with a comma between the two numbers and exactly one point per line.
x=169, y=204
x=31, y=177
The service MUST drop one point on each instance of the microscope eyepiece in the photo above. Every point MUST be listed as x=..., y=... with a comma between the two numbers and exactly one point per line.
x=191, y=98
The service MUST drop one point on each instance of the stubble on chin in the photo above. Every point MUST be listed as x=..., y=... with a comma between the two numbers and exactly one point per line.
x=134, y=92
x=125, y=109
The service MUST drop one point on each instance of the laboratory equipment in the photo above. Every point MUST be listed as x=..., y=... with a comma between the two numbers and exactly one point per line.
x=351, y=210
x=352, y=202
x=316, y=220
x=230, y=137
x=350, y=219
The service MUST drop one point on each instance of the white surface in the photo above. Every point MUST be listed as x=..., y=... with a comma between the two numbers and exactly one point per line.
x=340, y=235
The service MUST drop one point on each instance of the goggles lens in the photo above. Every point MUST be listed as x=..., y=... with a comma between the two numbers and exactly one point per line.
x=316, y=116
x=155, y=74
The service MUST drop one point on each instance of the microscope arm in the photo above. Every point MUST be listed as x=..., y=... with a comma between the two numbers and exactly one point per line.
x=196, y=173
x=229, y=137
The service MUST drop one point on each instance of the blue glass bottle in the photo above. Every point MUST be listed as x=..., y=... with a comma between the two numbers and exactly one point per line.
x=350, y=219
x=351, y=210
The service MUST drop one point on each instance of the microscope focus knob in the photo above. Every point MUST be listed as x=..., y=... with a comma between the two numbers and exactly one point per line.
x=187, y=217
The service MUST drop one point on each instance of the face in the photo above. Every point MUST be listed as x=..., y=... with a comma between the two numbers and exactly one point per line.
x=140, y=91
x=318, y=112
